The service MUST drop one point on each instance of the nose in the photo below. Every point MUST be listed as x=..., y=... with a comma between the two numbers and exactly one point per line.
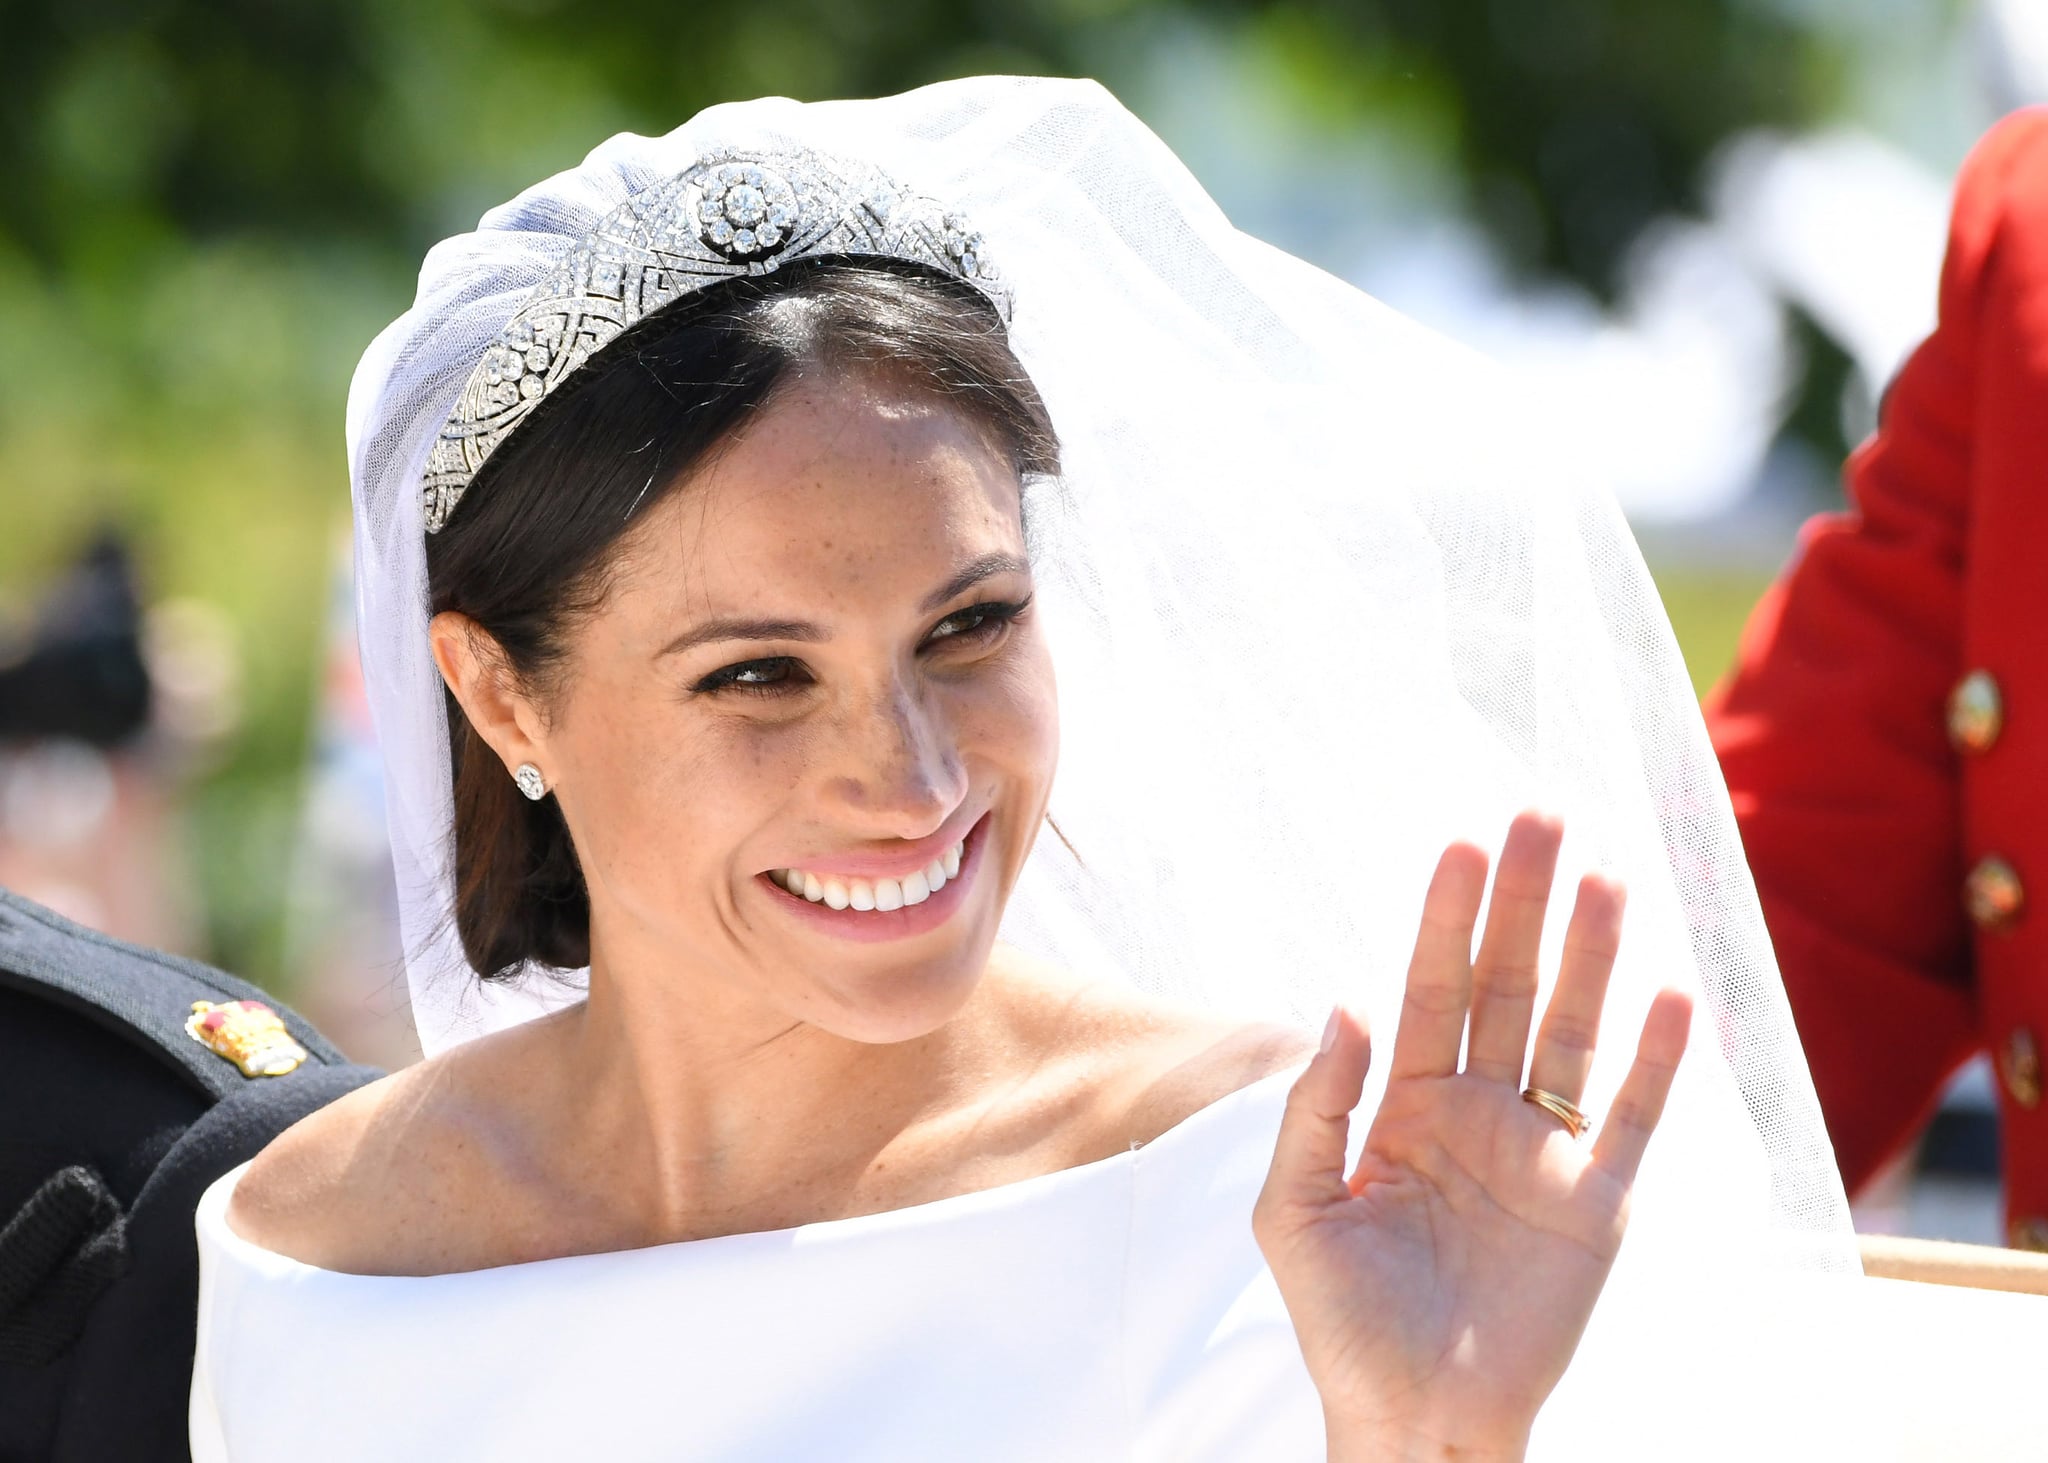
x=899, y=765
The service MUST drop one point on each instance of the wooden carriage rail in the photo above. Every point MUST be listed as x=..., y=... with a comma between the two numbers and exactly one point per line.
x=1943, y=1262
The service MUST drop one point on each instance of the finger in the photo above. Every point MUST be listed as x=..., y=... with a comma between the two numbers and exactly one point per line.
x=1440, y=974
x=1563, y=1058
x=1308, y=1154
x=1504, y=976
x=1626, y=1132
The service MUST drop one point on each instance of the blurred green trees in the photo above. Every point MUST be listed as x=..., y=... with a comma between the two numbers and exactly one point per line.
x=384, y=121
x=209, y=206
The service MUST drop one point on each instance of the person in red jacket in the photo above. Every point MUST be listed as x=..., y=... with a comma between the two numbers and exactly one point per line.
x=1885, y=730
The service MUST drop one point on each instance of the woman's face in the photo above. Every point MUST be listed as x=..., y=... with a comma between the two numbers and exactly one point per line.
x=807, y=742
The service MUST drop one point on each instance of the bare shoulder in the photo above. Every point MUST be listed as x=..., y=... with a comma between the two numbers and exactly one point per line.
x=1148, y=1065
x=375, y=1183
x=1201, y=1061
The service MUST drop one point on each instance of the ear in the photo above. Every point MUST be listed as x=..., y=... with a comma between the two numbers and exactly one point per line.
x=475, y=670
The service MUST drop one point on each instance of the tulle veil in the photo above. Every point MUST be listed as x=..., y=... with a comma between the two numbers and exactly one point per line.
x=1322, y=595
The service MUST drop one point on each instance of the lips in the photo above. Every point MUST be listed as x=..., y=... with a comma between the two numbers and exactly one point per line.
x=847, y=891
x=881, y=907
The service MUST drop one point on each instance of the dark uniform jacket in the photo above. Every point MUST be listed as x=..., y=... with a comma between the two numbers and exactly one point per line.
x=113, y=1120
x=1885, y=731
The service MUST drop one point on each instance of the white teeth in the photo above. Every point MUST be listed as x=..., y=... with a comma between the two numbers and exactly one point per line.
x=837, y=891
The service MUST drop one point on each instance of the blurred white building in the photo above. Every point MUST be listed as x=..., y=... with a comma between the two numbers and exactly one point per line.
x=1675, y=395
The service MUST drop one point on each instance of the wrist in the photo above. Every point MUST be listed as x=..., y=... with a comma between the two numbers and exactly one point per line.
x=1351, y=1441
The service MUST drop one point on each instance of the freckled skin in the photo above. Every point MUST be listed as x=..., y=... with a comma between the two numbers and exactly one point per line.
x=735, y=1069
x=844, y=505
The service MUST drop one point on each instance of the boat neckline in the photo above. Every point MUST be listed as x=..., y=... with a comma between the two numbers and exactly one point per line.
x=213, y=1205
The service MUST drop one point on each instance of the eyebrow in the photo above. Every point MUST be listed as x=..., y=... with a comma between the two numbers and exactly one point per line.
x=985, y=567
x=732, y=628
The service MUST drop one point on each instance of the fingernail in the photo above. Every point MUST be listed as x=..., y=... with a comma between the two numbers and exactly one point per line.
x=1330, y=1028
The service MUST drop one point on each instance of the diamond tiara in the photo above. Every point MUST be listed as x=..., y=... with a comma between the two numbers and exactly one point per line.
x=731, y=214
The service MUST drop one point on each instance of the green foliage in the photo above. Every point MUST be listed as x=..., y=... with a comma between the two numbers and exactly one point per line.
x=1708, y=608
x=1576, y=121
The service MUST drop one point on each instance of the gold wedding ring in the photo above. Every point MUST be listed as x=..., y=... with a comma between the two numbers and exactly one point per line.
x=1575, y=1122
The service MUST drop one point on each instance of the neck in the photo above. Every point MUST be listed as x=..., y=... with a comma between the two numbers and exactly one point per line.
x=704, y=1097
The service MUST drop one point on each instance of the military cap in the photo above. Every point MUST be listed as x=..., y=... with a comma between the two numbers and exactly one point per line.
x=117, y=1115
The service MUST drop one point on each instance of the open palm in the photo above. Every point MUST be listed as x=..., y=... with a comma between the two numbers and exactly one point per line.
x=1439, y=1289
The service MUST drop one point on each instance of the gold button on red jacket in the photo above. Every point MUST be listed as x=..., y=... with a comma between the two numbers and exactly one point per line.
x=1868, y=821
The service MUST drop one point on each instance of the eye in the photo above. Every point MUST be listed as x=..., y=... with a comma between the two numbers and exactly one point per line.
x=978, y=622
x=762, y=677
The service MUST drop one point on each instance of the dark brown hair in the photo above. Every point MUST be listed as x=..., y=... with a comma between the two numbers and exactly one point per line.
x=526, y=553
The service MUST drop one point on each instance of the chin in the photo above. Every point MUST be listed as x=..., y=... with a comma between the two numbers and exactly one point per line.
x=902, y=1004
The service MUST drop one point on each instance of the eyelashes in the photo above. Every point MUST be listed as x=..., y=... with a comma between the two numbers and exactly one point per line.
x=978, y=624
x=773, y=673
x=987, y=617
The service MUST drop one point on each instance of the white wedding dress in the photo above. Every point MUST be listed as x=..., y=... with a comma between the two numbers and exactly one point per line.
x=1118, y=1310
x=1115, y=1311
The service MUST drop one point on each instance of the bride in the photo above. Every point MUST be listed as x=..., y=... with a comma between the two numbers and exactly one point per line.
x=811, y=1073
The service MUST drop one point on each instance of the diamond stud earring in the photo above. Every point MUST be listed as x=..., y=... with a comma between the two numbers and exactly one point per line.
x=530, y=781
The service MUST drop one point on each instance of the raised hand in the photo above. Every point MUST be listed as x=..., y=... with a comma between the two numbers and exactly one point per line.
x=1439, y=1290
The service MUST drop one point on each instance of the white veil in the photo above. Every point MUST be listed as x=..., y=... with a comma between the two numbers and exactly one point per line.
x=1321, y=599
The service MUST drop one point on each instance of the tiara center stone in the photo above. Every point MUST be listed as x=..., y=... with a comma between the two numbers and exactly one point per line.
x=748, y=211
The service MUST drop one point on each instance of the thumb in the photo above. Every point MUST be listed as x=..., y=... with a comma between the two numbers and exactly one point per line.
x=1308, y=1155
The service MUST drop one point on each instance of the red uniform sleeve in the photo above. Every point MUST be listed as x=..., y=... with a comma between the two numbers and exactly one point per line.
x=1831, y=728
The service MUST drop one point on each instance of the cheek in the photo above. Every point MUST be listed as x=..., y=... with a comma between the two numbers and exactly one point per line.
x=660, y=796
x=1010, y=716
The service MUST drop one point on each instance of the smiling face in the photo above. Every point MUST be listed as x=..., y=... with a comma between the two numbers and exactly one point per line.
x=816, y=667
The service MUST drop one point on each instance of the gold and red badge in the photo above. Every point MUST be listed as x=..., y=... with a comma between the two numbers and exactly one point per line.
x=247, y=1033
